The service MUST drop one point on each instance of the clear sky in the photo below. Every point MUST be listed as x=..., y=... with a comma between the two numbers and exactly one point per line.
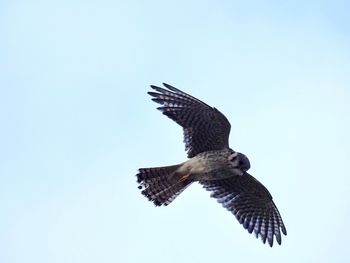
x=76, y=124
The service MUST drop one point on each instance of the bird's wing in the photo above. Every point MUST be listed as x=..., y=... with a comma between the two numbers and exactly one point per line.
x=251, y=203
x=205, y=128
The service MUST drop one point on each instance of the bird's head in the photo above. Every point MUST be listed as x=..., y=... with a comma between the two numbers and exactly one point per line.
x=240, y=161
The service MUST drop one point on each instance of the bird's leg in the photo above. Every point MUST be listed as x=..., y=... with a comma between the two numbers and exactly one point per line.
x=184, y=178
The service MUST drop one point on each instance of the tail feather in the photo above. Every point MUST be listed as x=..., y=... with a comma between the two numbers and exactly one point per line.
x=161, y=185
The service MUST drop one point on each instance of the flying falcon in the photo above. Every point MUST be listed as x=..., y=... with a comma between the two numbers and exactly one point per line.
x=213, y=164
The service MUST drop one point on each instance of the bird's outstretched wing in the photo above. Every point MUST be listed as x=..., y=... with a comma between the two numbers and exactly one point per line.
x=205, y=128
x=251, y=203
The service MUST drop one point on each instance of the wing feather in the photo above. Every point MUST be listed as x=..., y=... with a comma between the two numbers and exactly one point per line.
x=251, y=203
x=205, y=128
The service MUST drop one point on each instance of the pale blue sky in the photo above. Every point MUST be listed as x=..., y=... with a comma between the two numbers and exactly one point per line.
x=76, y=123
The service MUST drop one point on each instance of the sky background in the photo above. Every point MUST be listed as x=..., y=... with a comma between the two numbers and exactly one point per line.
x=76, y=124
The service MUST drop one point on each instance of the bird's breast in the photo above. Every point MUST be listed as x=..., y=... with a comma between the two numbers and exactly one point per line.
x=208, y=166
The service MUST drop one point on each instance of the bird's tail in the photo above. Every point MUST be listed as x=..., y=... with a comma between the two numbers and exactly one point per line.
x=162, y=185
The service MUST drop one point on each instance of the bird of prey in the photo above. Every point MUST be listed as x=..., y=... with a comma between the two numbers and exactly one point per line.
x=213, y=164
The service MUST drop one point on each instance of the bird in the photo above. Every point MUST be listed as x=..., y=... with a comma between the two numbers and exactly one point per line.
x=212, y=164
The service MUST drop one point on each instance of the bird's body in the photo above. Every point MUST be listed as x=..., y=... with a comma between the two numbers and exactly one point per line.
x=213, y=164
